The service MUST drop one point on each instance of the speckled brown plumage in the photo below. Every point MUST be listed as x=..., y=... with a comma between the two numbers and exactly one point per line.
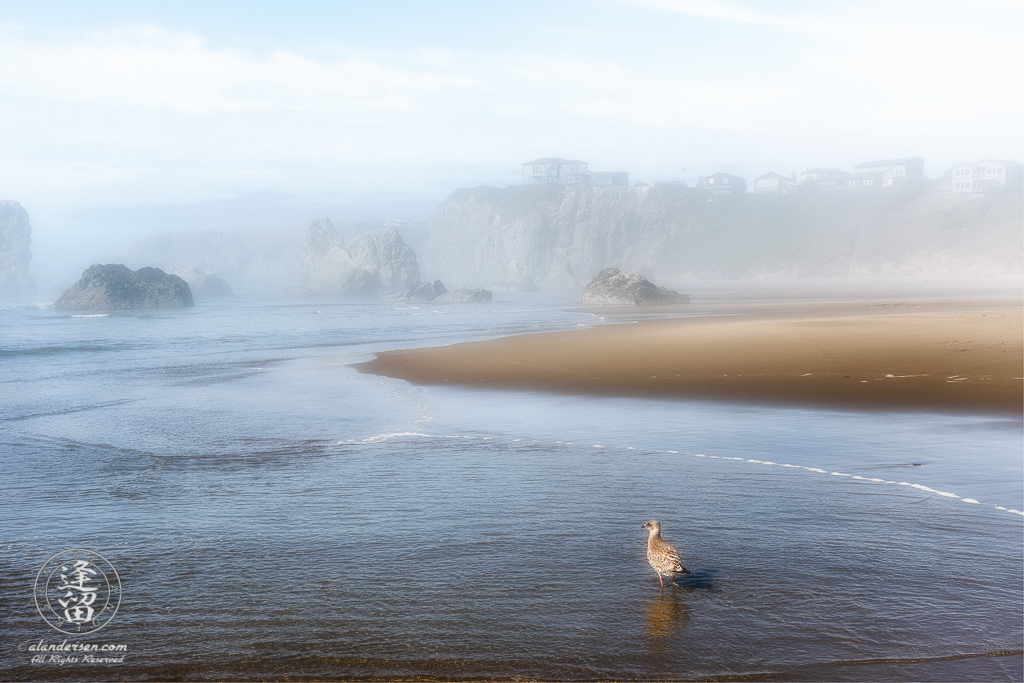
x=662, y=557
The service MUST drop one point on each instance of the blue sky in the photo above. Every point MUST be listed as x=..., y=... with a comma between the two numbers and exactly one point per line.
x=136, y=103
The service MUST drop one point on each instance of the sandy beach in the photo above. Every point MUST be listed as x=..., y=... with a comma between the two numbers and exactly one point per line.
x=934, y=355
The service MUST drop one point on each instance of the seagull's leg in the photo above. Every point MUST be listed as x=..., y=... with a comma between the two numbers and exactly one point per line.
x=661, y=581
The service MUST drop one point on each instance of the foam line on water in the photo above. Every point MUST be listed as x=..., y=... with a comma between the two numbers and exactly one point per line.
x=379, y=438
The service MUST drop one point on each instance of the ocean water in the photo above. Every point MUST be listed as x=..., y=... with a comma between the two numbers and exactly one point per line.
x=272, y=513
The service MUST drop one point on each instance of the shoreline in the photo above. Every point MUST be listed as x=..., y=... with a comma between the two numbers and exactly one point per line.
x=954, y=356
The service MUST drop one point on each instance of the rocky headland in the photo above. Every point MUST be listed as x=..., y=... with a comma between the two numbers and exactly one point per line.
x=612, y=287
x=114, y=287
x=560, y=236
x=15, y=255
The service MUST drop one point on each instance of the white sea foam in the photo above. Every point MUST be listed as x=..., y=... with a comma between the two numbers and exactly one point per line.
x=920, y=487
x=91, y=315
x=385, y=437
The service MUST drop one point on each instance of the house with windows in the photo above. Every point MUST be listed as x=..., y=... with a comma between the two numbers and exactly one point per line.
x=569, y=172
x=720, y=183
x=986, y=173
x=838, y=179
x=892, y=171
x=825, y=177
x=773, y=183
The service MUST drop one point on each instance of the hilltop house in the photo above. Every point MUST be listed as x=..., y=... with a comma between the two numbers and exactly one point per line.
x=838, y=179
x=773, y=183
x=893, y=171
x=569, y=172
x=720, y=183
x=822, y=176
x=985, y=174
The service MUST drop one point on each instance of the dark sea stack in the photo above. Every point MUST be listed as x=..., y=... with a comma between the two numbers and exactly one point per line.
x=15, y=238
x=423, y=292
x=115, y=287
x=612, y=287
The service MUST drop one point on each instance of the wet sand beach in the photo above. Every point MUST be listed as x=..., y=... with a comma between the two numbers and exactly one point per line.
x=935, y=355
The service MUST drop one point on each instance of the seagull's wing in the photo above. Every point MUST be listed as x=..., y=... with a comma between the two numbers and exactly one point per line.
x=677, y=563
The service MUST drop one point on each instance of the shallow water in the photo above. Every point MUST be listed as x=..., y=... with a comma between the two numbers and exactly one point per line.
x=272, y=513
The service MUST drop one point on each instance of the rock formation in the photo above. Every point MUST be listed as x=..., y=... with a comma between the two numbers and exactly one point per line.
x=466, y=295
x=259, y=260
x=389, y=260
x=376, y=263
x=425, y=291
x=114, y=287
x=15, y=238
x=551, y=236
x=612, y=287
x=436, y=292
x=203, y=284
x=558, y=236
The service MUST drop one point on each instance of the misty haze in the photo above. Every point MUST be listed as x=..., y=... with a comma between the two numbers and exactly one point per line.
x=349, y=341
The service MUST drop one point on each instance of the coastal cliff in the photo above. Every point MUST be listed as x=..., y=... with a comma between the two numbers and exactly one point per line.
x=546, y=236
x=559, y=237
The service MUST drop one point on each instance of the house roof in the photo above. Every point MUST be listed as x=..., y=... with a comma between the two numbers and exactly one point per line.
x=999, y=162
x=887, y=162
x=822, y=170
x=553, y=161
x=995, y=161
x=724, y=175
x=771, y=174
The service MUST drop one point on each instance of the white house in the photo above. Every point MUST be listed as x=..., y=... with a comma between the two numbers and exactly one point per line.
x=984, y=174
x=719, y=183
x=568, y=172
x=554, y=170
x=774, y=183
x=893, y=171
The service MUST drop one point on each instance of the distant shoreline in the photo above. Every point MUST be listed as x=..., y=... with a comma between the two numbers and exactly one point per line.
x=955, y=356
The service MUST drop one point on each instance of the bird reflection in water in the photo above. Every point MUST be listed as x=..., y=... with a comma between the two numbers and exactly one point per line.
x=666, y=612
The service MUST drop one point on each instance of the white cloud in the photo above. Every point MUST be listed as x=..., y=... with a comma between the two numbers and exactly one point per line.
x=171, y=116
x=722, y=11
x=153, y=68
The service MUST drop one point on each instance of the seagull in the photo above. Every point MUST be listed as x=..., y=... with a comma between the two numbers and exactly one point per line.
x=662, y=557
